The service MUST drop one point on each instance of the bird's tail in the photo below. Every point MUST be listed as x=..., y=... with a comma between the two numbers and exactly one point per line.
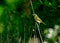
x=43, y=23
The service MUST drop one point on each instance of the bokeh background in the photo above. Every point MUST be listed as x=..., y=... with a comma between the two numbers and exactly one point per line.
x=17, y=22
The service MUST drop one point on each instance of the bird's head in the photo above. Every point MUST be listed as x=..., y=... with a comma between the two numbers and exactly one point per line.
x=34, y=14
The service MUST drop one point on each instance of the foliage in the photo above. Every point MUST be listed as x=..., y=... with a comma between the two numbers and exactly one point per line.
x=17, y=21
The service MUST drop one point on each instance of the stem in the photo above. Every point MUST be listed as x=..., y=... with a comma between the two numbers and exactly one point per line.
x=19, y=40
x=1, y=38
x=7, y=39
x=39, y=33
x=24, y=34
x=7, y=36
x=32, y=7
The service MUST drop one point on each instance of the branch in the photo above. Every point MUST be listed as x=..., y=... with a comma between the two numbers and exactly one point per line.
x=39, y=32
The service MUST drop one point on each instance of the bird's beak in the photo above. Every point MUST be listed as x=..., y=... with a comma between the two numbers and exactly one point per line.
x=33, y=14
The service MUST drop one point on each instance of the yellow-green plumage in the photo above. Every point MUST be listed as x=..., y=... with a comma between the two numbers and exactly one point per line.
x=37, y=19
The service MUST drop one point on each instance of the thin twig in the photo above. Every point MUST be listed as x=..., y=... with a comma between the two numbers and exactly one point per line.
x=7, y=36
x=32, y=7
x=19, y=40
x=39, y=33
x=24, y=31
x=7, y=39
x=1, y=38
x=24, y=34
x=36, y=23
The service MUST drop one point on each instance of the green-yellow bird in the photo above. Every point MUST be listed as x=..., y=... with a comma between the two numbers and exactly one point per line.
x=37, y=19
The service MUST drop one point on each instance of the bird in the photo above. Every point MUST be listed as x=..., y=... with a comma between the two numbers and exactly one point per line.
x=38, y=19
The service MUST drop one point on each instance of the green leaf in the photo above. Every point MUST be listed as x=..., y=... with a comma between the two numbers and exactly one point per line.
x=1, y=27
x=54, y=3
x=1, y=10
x=11, y=1
x=46, y=2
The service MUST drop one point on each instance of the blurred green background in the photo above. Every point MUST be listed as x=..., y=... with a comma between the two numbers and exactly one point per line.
x=17, y=22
